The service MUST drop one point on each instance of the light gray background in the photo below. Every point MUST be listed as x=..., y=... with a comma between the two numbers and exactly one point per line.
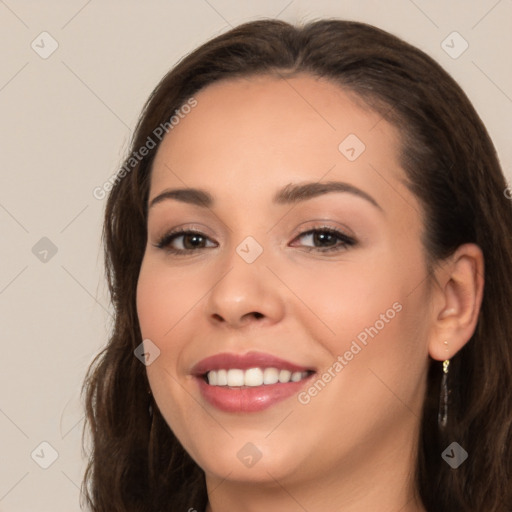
x=65, y=124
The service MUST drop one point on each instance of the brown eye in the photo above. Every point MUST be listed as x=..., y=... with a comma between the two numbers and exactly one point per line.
x=181, y=242
x=326, y=239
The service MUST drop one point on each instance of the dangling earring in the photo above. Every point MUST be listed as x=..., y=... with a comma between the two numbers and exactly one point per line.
x=150, y=408
x=442, y=416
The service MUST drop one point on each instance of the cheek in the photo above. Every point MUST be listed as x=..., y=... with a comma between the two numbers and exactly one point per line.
x=372, y=310
x=168, y=304
x=385, y=322
x=163, y=302
x=163, y=299
x=345, y=298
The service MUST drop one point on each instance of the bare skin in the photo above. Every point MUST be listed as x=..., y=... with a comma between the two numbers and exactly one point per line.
x=352, y=446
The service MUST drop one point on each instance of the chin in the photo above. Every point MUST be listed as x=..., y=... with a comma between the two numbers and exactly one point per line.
x=264, y=467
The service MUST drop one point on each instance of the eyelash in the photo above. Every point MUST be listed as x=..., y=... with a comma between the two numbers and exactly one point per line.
x=346, y=241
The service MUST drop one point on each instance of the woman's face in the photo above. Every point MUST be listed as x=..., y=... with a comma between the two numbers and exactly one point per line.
x=288, y=276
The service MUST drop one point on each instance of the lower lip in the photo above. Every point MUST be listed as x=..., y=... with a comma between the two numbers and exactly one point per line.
x=249, y=399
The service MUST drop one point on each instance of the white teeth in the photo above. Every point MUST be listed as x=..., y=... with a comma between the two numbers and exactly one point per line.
x=296, y=376
x=222, y=377
x=270, y=376
x=284, y=376
x=235, y=378
x=253, y=377
x=212, y=378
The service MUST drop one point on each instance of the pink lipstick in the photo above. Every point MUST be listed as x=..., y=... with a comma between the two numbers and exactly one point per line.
x=248, y=382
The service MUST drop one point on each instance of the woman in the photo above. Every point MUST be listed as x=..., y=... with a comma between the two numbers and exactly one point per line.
x=308, y=250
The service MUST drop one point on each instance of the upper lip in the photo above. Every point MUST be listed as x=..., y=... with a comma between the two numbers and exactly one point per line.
x=226, y=361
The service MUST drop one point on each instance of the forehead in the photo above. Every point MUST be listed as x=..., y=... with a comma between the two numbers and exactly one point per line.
x=265, y=131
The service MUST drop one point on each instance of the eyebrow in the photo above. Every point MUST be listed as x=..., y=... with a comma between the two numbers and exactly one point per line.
x=290, y=194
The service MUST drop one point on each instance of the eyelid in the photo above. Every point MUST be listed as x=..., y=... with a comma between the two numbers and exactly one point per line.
x=193, y=227
x=324, y=224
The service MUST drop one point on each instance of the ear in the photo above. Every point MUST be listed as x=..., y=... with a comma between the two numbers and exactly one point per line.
x=456, y=301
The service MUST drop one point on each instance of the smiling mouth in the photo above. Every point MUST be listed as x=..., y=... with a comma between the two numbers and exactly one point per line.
x=250, y=382
x=253, y=377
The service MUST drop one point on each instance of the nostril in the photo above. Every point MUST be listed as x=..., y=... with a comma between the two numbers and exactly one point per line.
x=256, y=314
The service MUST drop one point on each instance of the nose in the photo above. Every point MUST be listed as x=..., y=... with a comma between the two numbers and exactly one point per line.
x=247, y=294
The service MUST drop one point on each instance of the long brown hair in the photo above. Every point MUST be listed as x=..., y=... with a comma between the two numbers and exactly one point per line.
x=451, y=165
